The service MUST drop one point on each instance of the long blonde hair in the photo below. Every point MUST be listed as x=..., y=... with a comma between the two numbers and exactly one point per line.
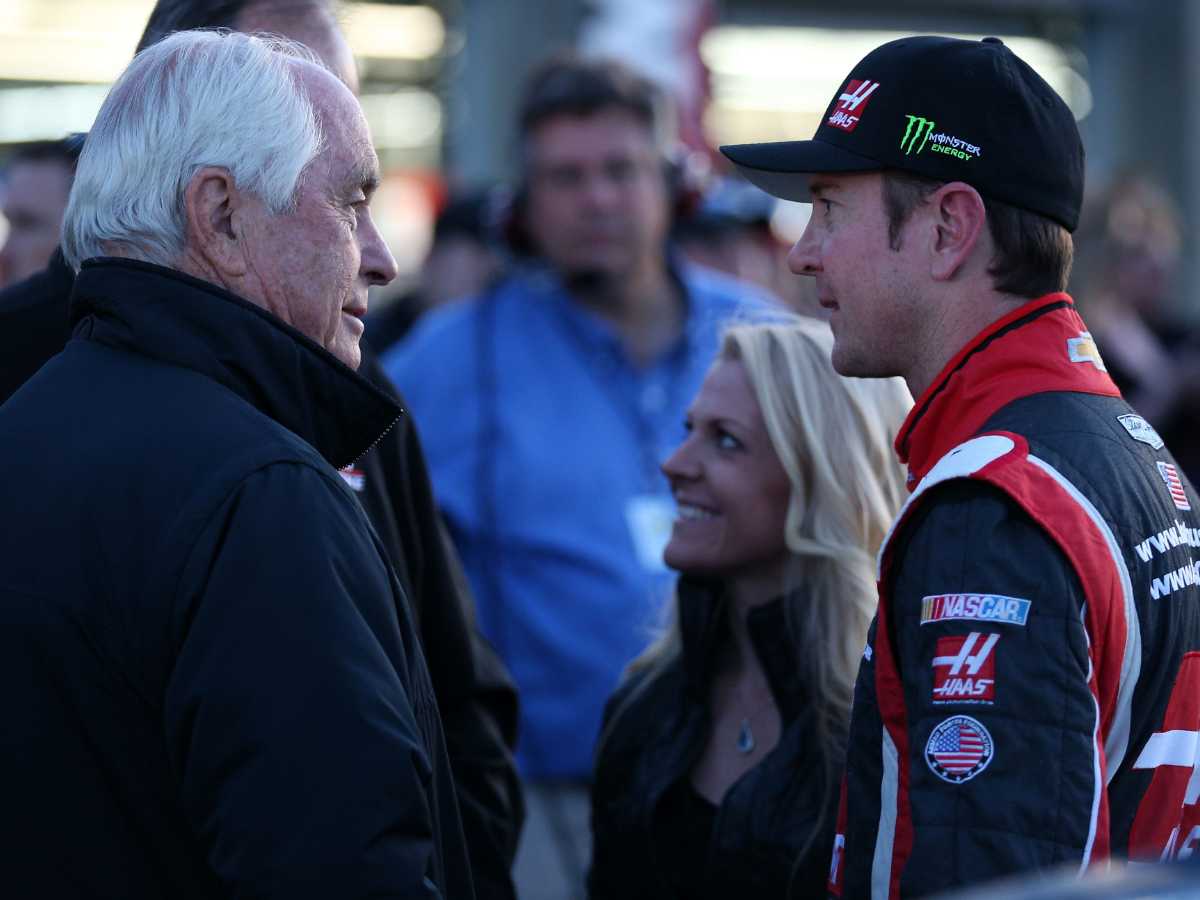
x=833, y=436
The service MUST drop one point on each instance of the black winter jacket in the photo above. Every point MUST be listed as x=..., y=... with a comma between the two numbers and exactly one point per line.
x=475, y=694
x=1029, y=696
x=654, y=733
x=212, y=682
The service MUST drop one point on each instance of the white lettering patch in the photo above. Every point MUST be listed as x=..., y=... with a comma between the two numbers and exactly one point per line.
x=1183, y=577
x=1179, y=534
x=1141, y=430
x=974, y=608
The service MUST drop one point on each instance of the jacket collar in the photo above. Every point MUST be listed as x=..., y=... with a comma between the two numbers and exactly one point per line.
x=703, y=629
x=182, y=321
x=1041, y=346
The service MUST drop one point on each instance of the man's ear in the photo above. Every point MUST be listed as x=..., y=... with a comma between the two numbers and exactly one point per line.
x=959, y=220
x=212, y=206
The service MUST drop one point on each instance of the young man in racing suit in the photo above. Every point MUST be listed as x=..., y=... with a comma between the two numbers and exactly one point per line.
x=1029, y=695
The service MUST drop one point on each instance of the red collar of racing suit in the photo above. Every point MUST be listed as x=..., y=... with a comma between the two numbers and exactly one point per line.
x=1042, y=346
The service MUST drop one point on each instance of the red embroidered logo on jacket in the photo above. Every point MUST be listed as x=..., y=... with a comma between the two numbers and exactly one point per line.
x=964, y=670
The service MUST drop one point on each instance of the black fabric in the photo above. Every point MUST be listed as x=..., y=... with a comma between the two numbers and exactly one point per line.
x=682, y=831
x=1081, y=438
x=33, y=323
x=948, y=109
x=475, y=694
x=1043, y=717
x=654, y=733
x=1033, y=807
x=215, y=685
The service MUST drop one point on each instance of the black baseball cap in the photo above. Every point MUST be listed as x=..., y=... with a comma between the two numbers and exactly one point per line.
x=945, y=108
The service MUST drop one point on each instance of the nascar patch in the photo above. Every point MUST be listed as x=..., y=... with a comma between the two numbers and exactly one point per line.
x=974, y=608
x=964, y=669
x=959, y=749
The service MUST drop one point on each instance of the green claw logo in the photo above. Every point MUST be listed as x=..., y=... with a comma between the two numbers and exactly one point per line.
x=918, y=129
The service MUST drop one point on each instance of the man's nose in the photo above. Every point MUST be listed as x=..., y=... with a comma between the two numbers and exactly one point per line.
x=803, y=258
x=378, y=264
x=601, y=191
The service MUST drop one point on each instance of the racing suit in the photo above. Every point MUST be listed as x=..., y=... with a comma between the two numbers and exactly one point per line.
x=1029, y=694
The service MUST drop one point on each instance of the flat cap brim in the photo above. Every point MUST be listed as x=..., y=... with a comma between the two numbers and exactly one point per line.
x=783, y=168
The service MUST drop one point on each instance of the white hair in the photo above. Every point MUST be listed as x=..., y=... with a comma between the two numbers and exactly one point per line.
x=195, y=99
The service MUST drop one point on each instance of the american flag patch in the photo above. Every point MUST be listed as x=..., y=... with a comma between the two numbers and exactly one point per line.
x=1170, y=478
x=959, y=749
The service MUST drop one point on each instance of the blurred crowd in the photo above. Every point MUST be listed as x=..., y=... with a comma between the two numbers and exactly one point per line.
x=1127, y=276
x=581, y=611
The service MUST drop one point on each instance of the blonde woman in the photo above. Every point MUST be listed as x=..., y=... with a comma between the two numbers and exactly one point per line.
x=718, y=768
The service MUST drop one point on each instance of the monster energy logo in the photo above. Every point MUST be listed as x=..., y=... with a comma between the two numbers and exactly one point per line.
x=918, y=134
x=918, y=129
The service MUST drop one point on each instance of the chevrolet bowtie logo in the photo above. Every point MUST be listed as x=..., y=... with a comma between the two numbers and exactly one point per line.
x=1083, y=349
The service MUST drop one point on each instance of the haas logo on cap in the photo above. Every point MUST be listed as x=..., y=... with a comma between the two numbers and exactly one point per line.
x=851, y=103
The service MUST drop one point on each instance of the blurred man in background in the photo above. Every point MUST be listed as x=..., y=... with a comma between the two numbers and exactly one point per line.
x=475, y=696
x=1129, y=252
x=732, y=230
x=548, y=404
x=462, y=261
x=33, y=197
x=33, y=304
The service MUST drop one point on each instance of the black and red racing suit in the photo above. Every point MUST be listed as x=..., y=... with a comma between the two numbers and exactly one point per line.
x=1029, y=695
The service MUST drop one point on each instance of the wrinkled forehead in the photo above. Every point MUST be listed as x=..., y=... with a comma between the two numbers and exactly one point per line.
x=335, y=104
x=347, y=153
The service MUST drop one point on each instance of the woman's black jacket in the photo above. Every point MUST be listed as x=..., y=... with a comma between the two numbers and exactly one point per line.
x=655, y=730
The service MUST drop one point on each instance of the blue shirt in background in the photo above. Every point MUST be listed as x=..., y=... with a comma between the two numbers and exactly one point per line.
x=544, y=442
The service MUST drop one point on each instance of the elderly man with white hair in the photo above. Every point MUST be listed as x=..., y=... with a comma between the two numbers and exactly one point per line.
x=211, y=682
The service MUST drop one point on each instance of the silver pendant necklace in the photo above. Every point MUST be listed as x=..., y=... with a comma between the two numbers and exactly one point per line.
x=745, y=738
x=746, y=743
